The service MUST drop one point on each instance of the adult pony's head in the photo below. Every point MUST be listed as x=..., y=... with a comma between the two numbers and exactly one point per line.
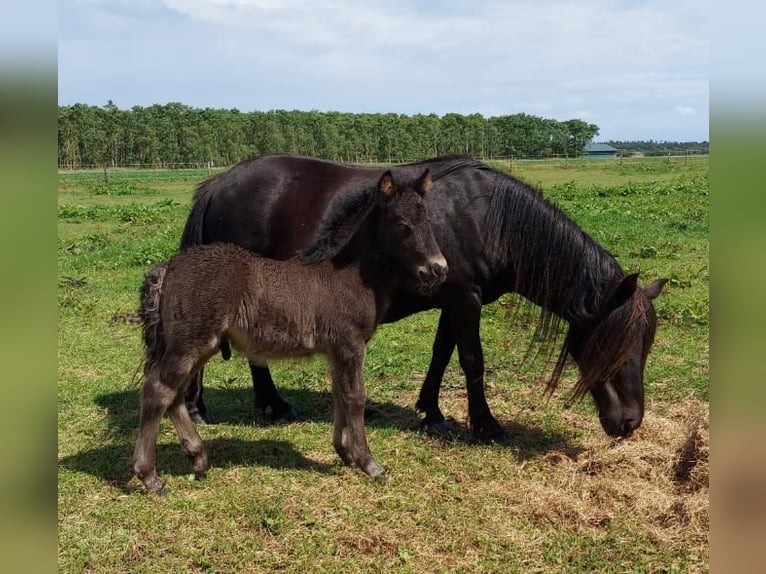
x=556, y=265
x=611, y=350
x=400, y=232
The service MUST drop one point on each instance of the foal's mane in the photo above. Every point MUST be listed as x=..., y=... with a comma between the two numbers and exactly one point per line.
x=345, y=216
x=340, y=222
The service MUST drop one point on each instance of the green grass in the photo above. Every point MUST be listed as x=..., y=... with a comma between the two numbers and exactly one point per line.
x=278, y=498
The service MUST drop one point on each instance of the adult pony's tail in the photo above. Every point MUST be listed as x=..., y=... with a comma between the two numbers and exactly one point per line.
x=193, y=230
x=151, y=320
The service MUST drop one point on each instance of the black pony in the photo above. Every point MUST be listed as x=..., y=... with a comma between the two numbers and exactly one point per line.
x=498, y=235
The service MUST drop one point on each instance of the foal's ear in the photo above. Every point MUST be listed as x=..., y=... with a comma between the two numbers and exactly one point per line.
x=386, y=185
x=655, y=288
x=424, y=183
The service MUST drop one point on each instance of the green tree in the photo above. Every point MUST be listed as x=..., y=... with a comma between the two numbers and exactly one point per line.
x=176, y=134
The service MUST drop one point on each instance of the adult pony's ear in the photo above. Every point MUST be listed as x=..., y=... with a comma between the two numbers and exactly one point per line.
x=424, y=183
x=624, y=292
x=386, y=185
x=655, y=288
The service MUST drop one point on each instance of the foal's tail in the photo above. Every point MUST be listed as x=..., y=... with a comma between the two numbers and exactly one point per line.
x=151, y=292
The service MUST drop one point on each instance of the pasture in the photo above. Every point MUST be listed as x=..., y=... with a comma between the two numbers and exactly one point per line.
x=557, y=496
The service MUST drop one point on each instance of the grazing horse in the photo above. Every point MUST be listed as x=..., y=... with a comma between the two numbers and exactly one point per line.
x=329, y=300
x=498, y=234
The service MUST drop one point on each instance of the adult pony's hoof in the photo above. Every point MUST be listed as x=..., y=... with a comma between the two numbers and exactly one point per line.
x=280, y=413
x=198, y=417
x=202, y=475
x=488, y=430
x=437, y=429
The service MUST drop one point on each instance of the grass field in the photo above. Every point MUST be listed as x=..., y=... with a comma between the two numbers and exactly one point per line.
x=557, y=496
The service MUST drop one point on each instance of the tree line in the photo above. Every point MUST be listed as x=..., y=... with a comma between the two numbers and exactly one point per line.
x=176, y=134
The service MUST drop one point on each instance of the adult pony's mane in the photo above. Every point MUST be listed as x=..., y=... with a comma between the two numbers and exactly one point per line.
x=554, y=262
x=446, y=164
x=339, y=223
x=560, y=268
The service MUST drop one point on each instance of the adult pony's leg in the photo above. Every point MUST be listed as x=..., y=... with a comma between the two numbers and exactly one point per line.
x=349, y=437
x=194, y=403
x=267, y=397
x=156, y=397
x=191, y=442
x=428, y=401
x=465, y=317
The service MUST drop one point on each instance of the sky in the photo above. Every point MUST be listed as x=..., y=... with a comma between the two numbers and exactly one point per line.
x=638, y=69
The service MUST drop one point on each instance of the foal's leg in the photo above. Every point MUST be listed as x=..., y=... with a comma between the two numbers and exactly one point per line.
x=349, y=438
x=339, y=439
x=156, y=397
x=191, y=442
x=428, y=401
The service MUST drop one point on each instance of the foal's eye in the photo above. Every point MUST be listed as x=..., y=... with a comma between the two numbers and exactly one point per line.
x=403, y=226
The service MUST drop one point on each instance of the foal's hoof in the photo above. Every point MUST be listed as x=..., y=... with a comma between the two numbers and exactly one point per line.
x=375, y=471
x=157, y=486
x=202, y=475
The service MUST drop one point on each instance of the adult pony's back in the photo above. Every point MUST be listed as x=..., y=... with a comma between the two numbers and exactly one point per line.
x=497, y=234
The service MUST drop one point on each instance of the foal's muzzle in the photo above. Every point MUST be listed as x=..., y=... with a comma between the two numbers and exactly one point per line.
x=434, y=272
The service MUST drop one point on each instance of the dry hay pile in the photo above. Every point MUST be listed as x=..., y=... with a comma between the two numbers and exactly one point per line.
x=655, y=482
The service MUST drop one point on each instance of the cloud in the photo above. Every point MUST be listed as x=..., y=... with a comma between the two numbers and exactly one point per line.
x=686, y=111
x=623, y=61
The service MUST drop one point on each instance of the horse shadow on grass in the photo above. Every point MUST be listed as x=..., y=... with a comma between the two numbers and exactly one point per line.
x=113, y=463
x=234, y=406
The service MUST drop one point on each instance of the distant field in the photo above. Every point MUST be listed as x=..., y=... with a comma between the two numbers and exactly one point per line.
x=559, y=496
